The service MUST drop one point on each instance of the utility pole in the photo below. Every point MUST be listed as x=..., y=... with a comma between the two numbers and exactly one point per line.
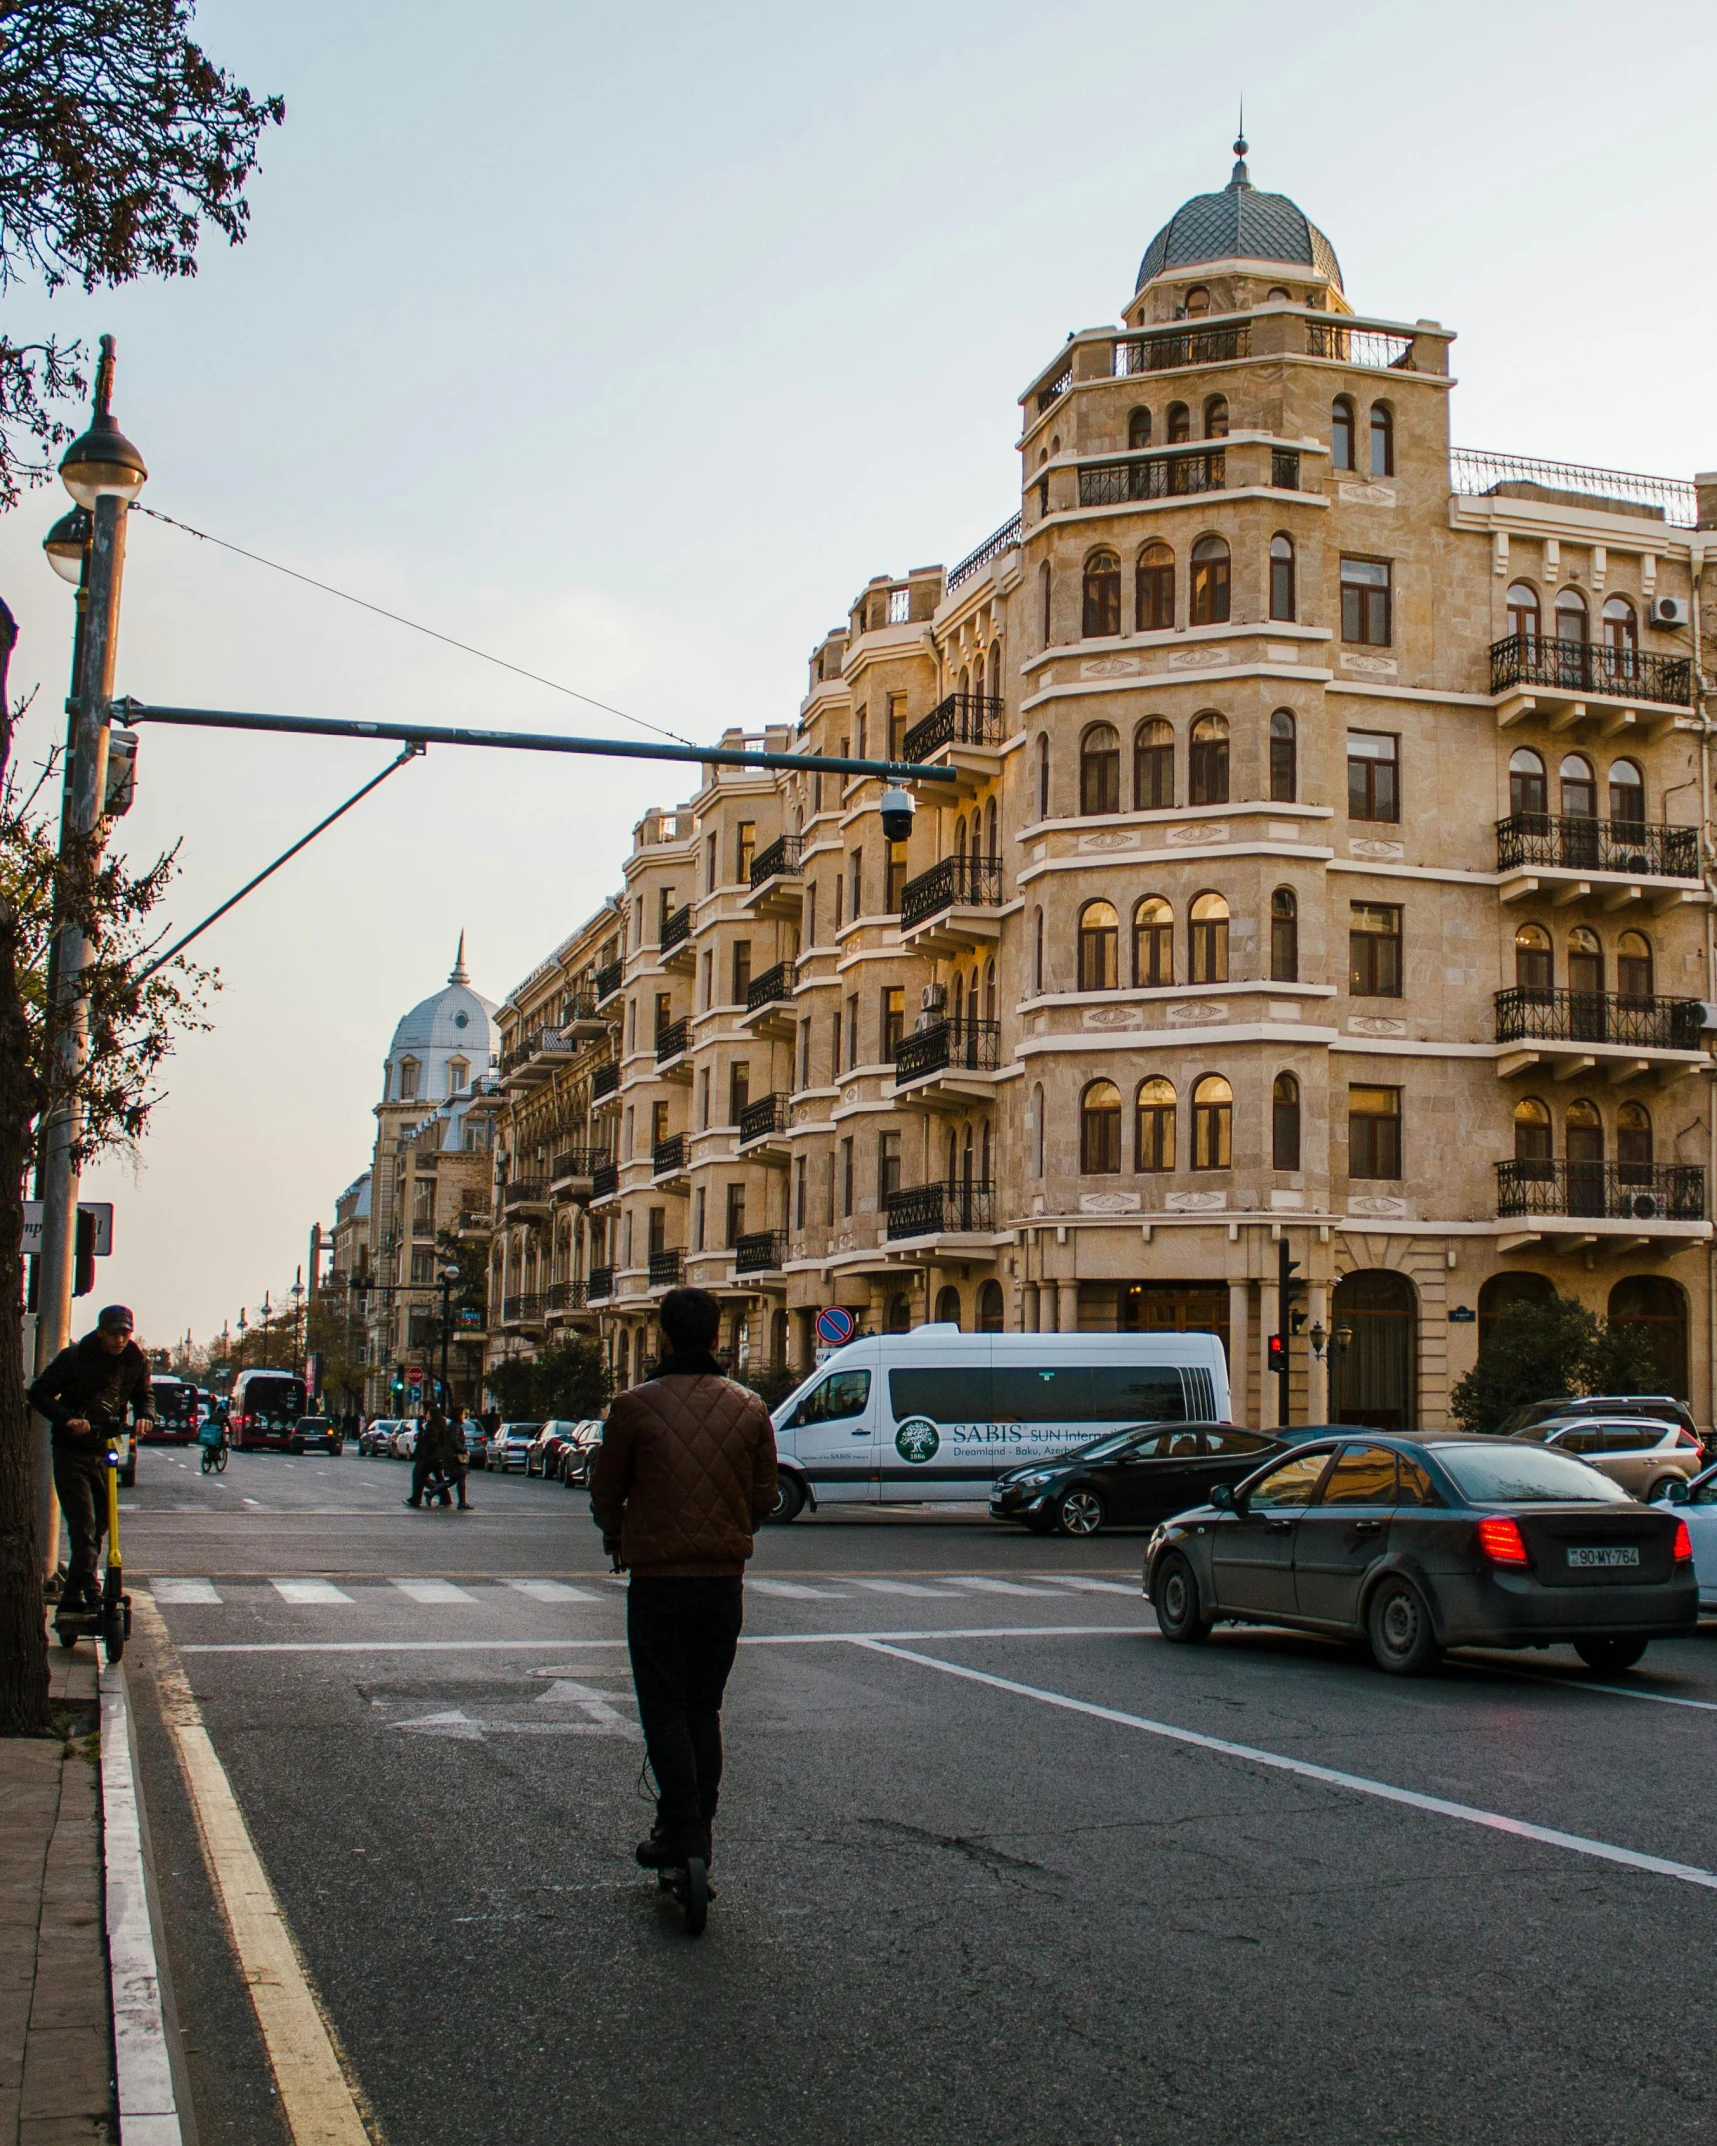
x=104, y=473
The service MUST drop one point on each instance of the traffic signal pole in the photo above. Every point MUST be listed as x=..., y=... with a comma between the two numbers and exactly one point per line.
x=1284, y=1270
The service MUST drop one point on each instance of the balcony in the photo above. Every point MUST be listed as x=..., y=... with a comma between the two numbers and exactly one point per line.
x=776, y=885
x=1538, y=674
x=605, y=1081
x=666, y=1269
x=941, y=1210
x=525, y=1195
x=964, y=733
x=608, y=980
x=1375, y=348
x=765, y=1121
x=1575, y=1031
x=535, y=1057
x=561, y=1298
x=675, y=948
x=671, y=1042
x=760, y=1251
x=1180, y=475
x=1639, y=1194
x=572, y=1169
x=580, y=1020
x=474, y=1220
x=954, y=906
x=1006, y=538
x=604, y=1179
x=524, y=1310
x=948, y=1064
x=668, y=1157
x=769, y=1002
x=600, y=1287
x=1597, y=864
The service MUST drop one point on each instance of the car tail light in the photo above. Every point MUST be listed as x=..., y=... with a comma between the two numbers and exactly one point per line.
x=1683, y=1543
x=1499, y=1539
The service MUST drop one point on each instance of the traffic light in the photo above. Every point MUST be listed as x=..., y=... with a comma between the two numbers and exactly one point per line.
x=83, y=1272
x=1278, y=1353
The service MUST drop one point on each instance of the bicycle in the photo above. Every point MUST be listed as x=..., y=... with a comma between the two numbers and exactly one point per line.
x=215, y=1458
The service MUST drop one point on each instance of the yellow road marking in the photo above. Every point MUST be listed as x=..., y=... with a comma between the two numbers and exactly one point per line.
x=316, y=2097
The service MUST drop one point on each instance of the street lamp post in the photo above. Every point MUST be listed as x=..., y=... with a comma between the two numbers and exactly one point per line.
x=104, y=473
x=449, y=1277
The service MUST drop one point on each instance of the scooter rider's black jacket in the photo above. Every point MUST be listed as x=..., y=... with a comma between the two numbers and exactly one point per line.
x=86, y=1381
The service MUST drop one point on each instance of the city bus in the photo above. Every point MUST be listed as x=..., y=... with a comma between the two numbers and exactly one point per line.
x=173, y=1403
x=266, y=1406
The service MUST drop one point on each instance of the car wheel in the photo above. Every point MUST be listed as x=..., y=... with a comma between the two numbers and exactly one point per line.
x=1608, y=1655
x=1174, y=1597
x=1398, y=1625
x=789, y=1500
x=1080, y=1512
x=1662, y=1487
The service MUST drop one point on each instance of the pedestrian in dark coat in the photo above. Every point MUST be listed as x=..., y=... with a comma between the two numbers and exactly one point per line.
x=85, y=1393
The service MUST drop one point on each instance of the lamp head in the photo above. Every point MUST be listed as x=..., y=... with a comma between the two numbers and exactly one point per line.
x=67, y=544
x=102, y=463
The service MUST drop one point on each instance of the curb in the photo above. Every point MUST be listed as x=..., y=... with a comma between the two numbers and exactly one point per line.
x=148, y=2109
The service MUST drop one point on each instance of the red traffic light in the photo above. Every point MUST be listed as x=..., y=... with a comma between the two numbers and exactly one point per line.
x=1278, y=1353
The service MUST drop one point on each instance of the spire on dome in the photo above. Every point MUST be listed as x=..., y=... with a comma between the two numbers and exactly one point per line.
x=1240, y=176
x=461, y=975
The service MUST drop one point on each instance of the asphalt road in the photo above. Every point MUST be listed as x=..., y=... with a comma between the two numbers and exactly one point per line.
x=990, y=1866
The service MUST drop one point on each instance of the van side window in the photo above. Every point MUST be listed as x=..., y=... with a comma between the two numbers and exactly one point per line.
x=1089, y=1393
x=953, y=1393
x=842, y=1394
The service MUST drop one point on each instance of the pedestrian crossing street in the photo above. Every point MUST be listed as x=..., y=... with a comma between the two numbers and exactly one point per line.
x=321, y=1593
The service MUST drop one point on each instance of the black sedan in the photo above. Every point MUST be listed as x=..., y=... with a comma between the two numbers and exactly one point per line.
x=1129, y=1478
x=1418, y=1544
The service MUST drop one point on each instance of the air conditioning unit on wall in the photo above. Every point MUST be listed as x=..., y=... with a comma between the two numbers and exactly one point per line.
x=932, y=998
x=1648, y=1207
x=1670, y=611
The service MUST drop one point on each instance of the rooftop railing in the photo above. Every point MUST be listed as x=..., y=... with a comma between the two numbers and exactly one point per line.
x=1375, y=348
x=1577, y=845
x=1005, y=538
x=1164, y=353
x=1478, y=473
x=961, y=881
x=1533, y=659
x=1604, y=1191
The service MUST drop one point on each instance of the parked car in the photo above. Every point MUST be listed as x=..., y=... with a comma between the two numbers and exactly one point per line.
x=1417, y=1544
x=578, y=1453
x=1663, y=1406
x=542, y=1455
x=320, y=1432
x=476, y=1443
x=374, y=1440
x=1696, y=1502
x=1641, y=1453
x=510, y=1444
x=402, y=1439
x=1130, y=1478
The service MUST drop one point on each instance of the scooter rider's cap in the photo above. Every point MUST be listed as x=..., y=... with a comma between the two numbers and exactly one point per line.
x=116, y=1319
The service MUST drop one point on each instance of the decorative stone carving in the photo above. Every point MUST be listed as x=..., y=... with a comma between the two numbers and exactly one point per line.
x=1200, y=831
x=1196, y=1203
x=1364, y=1024
x=1379, y=1204
x=1372, y=666
x=1112, y=838
x=1187, y=1013
x=1366, y=495
x=1114, y=1017
x=1112, y=667
x=1379, y=852
x=1198, y=659
x=1109, y=1203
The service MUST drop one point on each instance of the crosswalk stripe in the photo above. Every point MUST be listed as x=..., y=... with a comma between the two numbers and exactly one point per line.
x=899, y=1587
x=551, y=1591
x=309, y=1591
x=432, y=1591
x=995, y=1587
x=798, y=1593
x=1091, y=1587
x=184, y=1590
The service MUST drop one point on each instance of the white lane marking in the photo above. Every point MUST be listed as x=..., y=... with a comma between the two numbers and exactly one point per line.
x=551, y=1591
x=750, y=1639
x=994, y=1587
x=254, y=1503
x=318, y=2102
x=143, y=2072
x=184, y=1590
x=1306, y=1770
x=1616, y=1691
x=898, y=1587
x=309, y=1591
x=796, y=1591
x=432, y=1591
x=1093, y=1587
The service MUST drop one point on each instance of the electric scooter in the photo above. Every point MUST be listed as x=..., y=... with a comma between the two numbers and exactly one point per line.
x=110, y=1619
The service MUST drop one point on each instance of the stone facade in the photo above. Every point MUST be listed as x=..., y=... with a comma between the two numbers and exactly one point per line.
x=1321, y=862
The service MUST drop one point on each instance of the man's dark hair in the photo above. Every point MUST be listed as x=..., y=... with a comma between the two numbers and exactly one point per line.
x=691, y=1319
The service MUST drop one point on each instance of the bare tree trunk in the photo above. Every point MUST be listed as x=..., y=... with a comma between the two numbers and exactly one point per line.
x=23, y=1620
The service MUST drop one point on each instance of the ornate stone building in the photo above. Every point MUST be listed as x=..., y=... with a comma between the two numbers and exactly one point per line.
x=1323, y=863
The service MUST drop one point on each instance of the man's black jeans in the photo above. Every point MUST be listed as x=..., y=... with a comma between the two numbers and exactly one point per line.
x=683, y=1634
x=80, y=1479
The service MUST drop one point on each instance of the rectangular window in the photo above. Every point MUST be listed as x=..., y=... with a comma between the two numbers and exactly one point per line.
x=893, y=1020
x=628, y=1255
x=852, y=1032
x=1366, y=602
x=840, y=903
x=811, y=914
x=798, y=1192
x=1374, y=1132
x=703, y=1098
x=1373, y=775
x=665, y=908
x=709, y=866
x=708, y=999
x=829, y=1201
x=896, y=723
x=735, y=1215
x=863, y=732
x=803, y=1054
x=658, y=1124
x=835, y=1047
x=664, y=1011
x=887, y=1166
x=741, y=970
x=896, y=877
x=738, y=1089
x=1374, y=950
x=745, y=848
x=626, y=1135
x=846, y=1177
x=658, y=1230
x=858, y=885
x=698, y=1219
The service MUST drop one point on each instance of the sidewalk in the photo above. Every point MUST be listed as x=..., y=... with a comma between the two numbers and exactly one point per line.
x=56, y=2050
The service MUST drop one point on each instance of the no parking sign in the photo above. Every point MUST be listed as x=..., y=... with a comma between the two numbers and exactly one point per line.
x=835, y=1326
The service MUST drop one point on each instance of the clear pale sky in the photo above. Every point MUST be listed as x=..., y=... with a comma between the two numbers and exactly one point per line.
x=630, y=342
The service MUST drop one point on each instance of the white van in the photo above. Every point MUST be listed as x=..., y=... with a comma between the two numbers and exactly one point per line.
x=938, y=1414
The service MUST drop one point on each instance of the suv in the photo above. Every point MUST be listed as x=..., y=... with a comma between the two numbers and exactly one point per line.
x=322, y=1432
x=1662, y=1406
x=1641, y=1453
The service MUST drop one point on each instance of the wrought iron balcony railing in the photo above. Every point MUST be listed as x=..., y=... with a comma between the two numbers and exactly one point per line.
x=758, y=1120
x=666, y=1269
x=604, y=1179
x=759, y=1251
x=609, y=979
x=564, y=1296
x=534, y=1045
x=1359, y=346
x=579, y=1006
x=1526, y=1014
x=676, y=928
x=671, y=1041
x=510, y=1308
x=1576, y=845
x=524, y=1192
x=773, y=985
x=1194, y=346
x=965, y=1045
x=574, y=1162
x=604, y=1081
x=474, y=1215
x=959, y=719
x=941, y=1209
x=1477, y=472
x=1534, y=659
x=957, y=882
x=1605, y=1191
x=1055, y=388
x=1005, y=538
x=1164, y=476
x=600, y=1285
x=779, y=859
x=668, y=1157
x=524, y=1310
x=1284, y=470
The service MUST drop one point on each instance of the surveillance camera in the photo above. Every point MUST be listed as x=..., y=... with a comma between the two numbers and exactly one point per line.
x=897, y=810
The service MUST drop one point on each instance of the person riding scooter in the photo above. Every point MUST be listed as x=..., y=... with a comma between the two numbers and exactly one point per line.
x=85, y=1393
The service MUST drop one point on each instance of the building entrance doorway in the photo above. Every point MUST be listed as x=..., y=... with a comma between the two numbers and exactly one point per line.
x=1174, y=1308
x=1372, y=1372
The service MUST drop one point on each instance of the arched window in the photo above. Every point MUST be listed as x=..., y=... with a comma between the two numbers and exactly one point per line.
x=1036, y=1130
x=1043, y=591
x=1180, y=424
x=1139, y=429
x=1523, y=620
x=1284, y=937
x=1571, y=617
x=1037, y=950
x=1153, y=1126
x=1100, y=1129
x=1153, y=765
x=1585, y=966
x=1633, y=966
x=1043, y=775
x=1154, y=594
x=408, y=1071
x=1656, y=1309
x=1585, y=1138
x=1100, y=770
x=1341, y=433
x=1207, y=940
x=1197, y=302
x=965, y=681
x=1212, y=1123
x=1153, y=943
x=991, y=1005
x=1532, y=1139
x=960, y=836
x=1208, y=593
x=1627, y=793
x=900, y=1313
x=1534, y=962
x=1382, y=440
x=1207, y=761
x=1281, y=576
x=990, y=1307
x=1528, y=790
x=959, y=1002
x=1284, y=758
x=1099, y=937
x=991, y=852
x=1285, y=1123
x=996, y=669
x=1216, y=417
x=1579, y=787
x=1633, y=1144
x=1102, y=595
x=1621, y=640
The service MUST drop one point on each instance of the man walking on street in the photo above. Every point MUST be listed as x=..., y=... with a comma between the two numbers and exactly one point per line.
x=84, y=1393
x=684, y=1476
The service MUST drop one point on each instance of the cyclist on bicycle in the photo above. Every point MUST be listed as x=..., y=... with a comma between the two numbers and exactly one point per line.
x=212, y=1437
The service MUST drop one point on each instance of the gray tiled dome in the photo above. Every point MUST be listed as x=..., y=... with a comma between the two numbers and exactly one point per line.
x=1240, y=223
